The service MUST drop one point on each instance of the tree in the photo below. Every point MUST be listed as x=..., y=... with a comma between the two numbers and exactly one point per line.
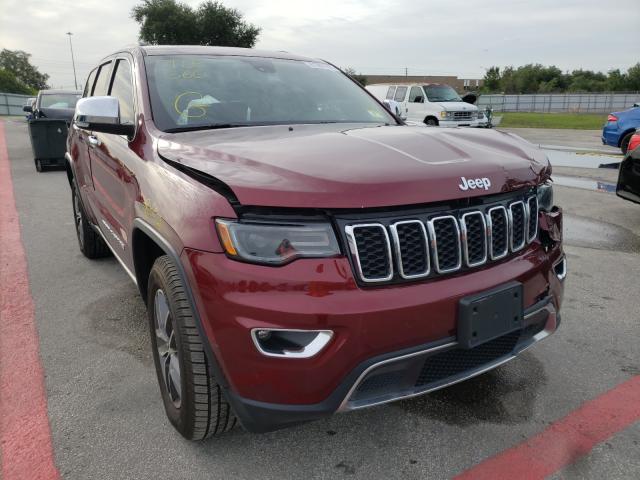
x=358, y=77
x=17, y=63
x=492, y=80
x=10, y=84
x=170, y=22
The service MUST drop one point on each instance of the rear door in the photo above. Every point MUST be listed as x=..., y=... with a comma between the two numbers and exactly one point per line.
x=113, y=181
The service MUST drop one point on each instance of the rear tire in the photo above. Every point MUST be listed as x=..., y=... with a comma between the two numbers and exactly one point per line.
x=193, y=400
x=39, y=167
x=90, y=243
x=624, y=143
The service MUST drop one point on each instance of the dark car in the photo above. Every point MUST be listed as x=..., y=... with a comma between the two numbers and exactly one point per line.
x=620, y=127
x=629, y=176
x=300, y=251
x=54, y=104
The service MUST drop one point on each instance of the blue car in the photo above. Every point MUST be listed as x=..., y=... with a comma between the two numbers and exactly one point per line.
x=620, y=127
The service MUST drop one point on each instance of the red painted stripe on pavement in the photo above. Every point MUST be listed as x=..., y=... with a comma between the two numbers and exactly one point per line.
x=25, y=436
x=566, y=440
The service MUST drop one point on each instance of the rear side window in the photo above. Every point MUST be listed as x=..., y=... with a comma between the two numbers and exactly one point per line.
x=102, y=82
x=89, y=85
x=416, y=94
x=390, y=92
x=122, y=89
x=401, y=92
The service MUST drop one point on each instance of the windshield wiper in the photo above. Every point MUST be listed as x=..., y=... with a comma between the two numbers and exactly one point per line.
x=210, y=126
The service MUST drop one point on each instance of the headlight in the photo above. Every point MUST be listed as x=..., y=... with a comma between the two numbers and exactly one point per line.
x=276, y=244
x=545, y=197
x=443, y=114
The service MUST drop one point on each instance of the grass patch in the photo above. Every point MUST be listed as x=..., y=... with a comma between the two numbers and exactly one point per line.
x=579, y=121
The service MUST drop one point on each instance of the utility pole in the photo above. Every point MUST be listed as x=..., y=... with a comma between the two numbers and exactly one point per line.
x=73, y=62
x=406, y=72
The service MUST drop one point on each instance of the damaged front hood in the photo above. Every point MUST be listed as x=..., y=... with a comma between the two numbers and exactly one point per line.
x=355, y=166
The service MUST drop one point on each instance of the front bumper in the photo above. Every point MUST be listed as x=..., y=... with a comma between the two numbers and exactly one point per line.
x=370, y=325
x=404, y=374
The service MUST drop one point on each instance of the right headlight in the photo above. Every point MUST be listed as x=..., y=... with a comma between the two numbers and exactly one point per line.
x=276, y=244
x=545, y=197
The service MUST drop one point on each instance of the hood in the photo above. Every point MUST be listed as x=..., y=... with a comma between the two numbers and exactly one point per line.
x=457, y=106
x=351, y=166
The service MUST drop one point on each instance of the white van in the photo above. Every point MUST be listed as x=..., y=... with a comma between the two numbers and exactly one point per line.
x=433, y=104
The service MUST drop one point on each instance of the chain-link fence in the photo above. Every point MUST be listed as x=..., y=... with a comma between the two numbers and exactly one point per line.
x=560, y=102
x=12, y=103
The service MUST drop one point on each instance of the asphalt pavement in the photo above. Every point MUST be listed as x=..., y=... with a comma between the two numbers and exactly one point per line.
x=107, y=419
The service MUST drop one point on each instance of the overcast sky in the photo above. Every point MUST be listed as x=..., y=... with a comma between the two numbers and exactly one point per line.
x=374, y=36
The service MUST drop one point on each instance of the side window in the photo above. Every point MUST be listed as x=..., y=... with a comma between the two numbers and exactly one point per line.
x=416, y=95
x=390, y=92
x=401, y=92
x=102, y=82
x=122, y=89
x=89, y=85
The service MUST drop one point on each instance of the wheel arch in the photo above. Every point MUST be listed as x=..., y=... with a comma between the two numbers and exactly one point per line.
x=428, y=117
x=624, y=134
x=144, y=236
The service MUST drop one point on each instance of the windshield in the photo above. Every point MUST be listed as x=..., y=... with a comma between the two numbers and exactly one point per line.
x=59, y=100
x=441, y=93
x=191, y=91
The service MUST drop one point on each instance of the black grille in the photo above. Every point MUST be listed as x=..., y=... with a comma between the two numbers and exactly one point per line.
x=518, y=225
x=448, y=243
x=413, y=248
x=499, y=232
x=533, y=219
x=453, y=362
x=377, y=384
x=418, y=239
x=373, y=251
x=476, y=238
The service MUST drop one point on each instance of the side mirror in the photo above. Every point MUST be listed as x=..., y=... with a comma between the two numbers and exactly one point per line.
x=101, y=114
x=418, y=99
x=27, y=108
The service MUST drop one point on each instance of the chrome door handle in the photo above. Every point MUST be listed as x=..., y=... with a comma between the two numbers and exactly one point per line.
x=93, y=141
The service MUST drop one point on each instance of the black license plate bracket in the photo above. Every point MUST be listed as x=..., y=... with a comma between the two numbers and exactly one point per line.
x=490, y=314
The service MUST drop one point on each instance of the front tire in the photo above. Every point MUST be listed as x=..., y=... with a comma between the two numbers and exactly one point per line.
x=431, y=121
x=193, y=400
x=39, y=167
x=90, y=243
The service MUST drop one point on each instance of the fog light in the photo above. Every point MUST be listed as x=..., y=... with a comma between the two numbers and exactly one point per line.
x=263, y=334
x=290, y=343
x=560, y=269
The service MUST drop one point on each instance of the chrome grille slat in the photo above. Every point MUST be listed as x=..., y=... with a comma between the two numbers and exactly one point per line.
x=432, y=244
x=451, y=249
x=419, y=247
x=383, y=252
x=474, y=238
x=517, y=225
x=532, y=215
x=497, y=216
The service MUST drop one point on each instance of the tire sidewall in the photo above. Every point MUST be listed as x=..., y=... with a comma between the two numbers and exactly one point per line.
x=177, y=416
x=624, y=143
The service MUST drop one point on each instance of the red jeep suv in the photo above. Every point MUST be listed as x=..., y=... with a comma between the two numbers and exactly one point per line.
x=300, y=250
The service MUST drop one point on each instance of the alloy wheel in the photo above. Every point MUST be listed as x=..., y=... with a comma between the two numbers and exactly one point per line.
x=167, y=348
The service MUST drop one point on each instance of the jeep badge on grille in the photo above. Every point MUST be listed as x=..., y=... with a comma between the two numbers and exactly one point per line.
x=473, y=183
